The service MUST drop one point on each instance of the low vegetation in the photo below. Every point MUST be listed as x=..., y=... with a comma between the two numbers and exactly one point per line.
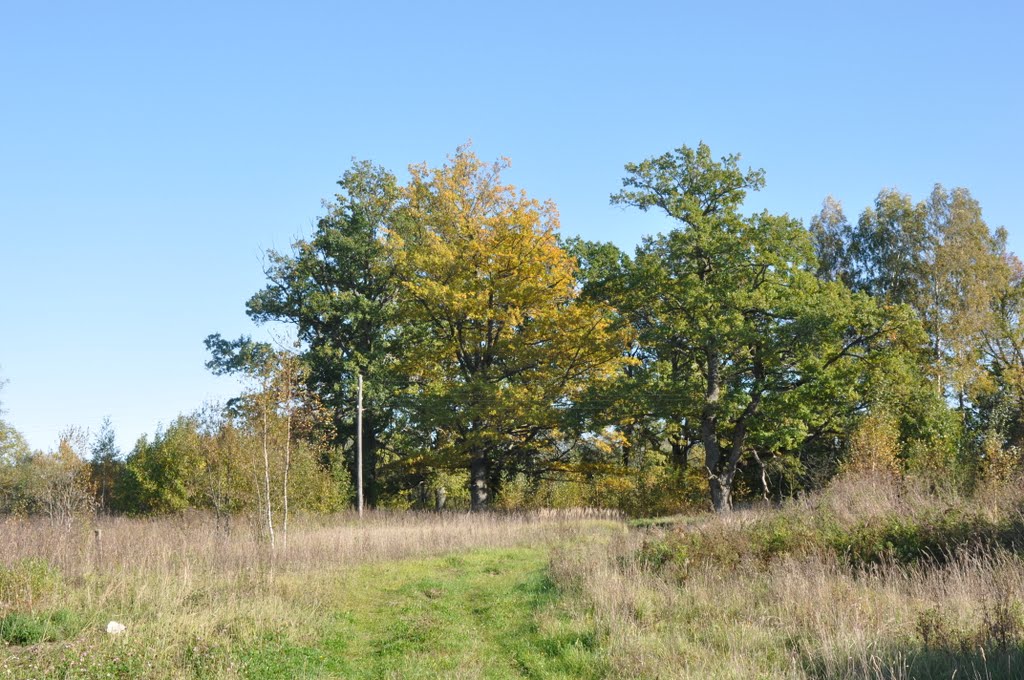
x=875, y=577
x=392, y=595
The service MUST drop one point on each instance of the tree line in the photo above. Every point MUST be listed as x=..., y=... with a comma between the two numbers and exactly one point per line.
x=734, y=357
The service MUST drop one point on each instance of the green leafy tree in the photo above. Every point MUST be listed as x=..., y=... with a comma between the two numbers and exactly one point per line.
x=968, y=273
x=747, y=340
x=641, y=405
x=106, y=465
x=1000, y=398
x=15, y=454
x=890, y=249
x=941, y=258
x=830, y=235
x=268, y=407
x=167, y=472
x=338, y=289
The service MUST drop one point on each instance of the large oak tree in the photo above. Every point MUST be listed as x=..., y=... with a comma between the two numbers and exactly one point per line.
x=510, y=344
x=751, y=348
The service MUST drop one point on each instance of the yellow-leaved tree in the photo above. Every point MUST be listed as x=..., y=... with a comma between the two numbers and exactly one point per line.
x=506, y=344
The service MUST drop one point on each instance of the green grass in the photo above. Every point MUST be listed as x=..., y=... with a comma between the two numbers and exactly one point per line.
x=21, y=628
x=483, y=614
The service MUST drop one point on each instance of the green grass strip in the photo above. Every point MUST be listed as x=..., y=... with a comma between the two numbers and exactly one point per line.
x=484, y=614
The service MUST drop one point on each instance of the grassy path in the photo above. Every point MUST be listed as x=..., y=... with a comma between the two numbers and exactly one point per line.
x=482, y=614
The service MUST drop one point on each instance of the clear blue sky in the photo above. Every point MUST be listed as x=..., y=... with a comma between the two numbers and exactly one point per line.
x=150, y=152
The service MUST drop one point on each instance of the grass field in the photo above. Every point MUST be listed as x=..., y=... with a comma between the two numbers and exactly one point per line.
x=393, y=596
x=873, y=578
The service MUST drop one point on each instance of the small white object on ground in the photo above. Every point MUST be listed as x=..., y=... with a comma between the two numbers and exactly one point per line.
x=114, y=628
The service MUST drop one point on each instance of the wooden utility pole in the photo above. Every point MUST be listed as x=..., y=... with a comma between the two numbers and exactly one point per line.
x=359, y=447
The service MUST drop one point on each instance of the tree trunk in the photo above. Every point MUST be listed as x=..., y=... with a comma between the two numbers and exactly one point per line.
x=370, y=448
x=266, y=480
x=628, y=434
x=721, y=494
x=722, y=464
x=764, y=476
x=722, y=470
x=478, y=491
x=680, y=453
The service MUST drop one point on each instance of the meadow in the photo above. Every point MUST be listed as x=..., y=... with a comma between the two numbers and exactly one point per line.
x=874, y=577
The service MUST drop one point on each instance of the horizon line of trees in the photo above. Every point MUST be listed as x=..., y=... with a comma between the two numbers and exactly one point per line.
x=734, y=357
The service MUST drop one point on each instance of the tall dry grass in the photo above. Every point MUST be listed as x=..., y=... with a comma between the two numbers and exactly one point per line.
x=195, y=593
x=197, y=541
x=729, y=610
x=761, y=593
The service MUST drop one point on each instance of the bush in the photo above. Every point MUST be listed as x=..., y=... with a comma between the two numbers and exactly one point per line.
x=784, y=535
x=874, y=445
x=650, y=491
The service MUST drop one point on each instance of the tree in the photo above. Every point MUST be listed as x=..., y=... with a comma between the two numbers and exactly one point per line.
x=969, y=271
x=830, y=234
x=66, y=492
x=167, y=473
x=510, y=345
x=15, y=456
x=890, y=250
x=641, y=405
x=105, y=465
x=13, y=446
x=746, y=341
x=53, y=484
x=338, y=289
x=270, y=405
x=1000, y=399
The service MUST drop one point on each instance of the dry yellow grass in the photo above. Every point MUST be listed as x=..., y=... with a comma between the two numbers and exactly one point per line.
x=809, y=614
x=177, y=544
x=197, y=596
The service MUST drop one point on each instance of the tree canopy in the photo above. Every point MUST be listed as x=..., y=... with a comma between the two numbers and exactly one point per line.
x=510, y=344
x=735, y=356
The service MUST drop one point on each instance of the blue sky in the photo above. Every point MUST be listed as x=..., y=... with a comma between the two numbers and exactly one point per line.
x=149, y=155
